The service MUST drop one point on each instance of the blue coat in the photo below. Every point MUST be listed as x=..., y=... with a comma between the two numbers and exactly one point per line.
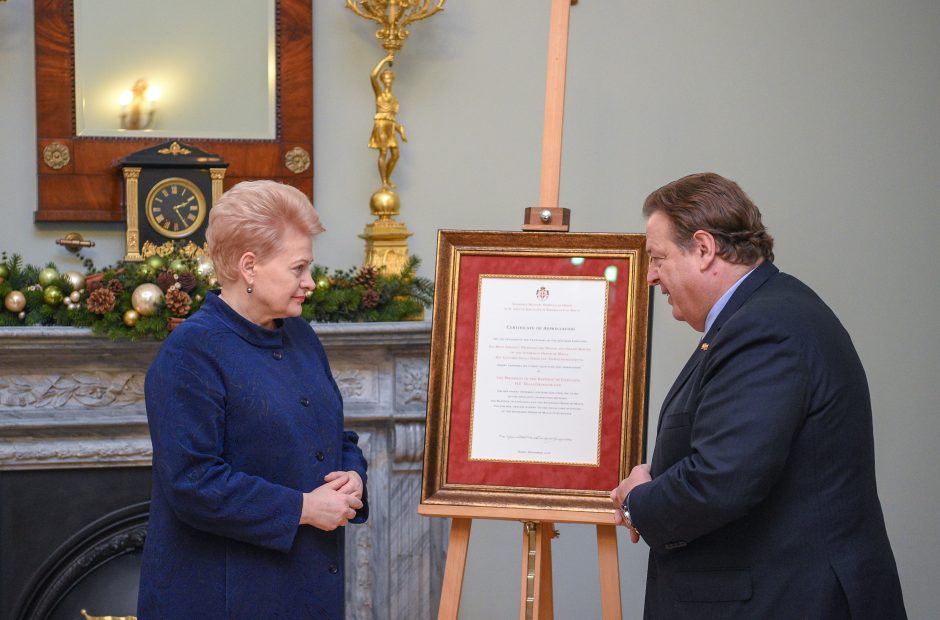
x=243, y=420
x=763, y=501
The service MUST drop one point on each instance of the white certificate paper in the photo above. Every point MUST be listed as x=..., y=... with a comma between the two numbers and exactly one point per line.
x=539, y=369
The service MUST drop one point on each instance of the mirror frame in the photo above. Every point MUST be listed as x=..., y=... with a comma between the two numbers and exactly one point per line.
x=80, y=181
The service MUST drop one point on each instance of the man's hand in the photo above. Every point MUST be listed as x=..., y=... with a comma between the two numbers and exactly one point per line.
x=327, y=507
x=638, y=475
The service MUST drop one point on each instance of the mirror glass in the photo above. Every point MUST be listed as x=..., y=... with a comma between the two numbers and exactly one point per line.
x=202, y=69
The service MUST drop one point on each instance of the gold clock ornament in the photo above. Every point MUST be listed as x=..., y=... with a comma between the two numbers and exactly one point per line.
x=168, y=192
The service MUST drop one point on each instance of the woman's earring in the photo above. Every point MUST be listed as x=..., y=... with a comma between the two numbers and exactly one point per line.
x=249, y=290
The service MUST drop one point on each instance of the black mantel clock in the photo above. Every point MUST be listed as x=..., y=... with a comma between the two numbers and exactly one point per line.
x=168, y=191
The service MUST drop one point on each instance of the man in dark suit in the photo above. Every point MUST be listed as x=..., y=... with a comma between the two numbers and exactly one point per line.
x=760, y=500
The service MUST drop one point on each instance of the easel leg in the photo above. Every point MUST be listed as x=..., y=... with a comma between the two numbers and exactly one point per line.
x=609, y=565
x=536, y=601
x=544, y=601
x=453, y=571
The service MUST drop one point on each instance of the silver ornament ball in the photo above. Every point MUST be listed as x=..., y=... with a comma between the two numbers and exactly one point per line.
x=75, y=279
x=204, y=267
x=15, y=301
x=146, y=299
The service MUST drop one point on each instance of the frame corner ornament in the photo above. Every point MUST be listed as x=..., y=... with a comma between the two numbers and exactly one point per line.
x=56, y=155
x=297, y=160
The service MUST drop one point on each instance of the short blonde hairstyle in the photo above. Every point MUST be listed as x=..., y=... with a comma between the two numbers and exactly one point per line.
x=253, y=216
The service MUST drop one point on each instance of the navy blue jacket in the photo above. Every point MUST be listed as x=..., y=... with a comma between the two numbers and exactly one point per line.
x=763, y=501
x=243, y=420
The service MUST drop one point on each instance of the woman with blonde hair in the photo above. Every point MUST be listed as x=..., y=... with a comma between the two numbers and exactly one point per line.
x=253, y=474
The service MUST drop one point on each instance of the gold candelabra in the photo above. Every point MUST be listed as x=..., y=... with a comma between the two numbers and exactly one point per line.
x=387, y=239
x=393, y=16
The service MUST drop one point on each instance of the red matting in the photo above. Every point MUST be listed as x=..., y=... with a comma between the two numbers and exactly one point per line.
x=605, y=476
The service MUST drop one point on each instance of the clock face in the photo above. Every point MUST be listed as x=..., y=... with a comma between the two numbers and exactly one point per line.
x=175, y=208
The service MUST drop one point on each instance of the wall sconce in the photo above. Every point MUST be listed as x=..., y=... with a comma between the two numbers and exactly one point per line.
x=138, y=102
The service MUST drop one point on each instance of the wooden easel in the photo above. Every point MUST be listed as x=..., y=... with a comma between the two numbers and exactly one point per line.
x=538, y=525
x=538, y=529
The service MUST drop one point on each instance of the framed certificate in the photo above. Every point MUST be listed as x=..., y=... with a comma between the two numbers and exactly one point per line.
x=538, y=377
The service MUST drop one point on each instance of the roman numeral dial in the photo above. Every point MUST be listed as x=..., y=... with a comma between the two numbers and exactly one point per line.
x=175, y=207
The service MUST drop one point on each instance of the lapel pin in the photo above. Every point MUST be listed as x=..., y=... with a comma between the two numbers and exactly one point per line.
x=704, y=346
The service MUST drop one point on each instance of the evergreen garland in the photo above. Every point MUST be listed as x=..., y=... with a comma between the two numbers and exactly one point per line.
x=351, y=295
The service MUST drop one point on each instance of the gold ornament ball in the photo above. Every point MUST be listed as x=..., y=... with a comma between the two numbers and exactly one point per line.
x=75, y=279
x=15, y=301
x=131, y=317
x=21, y=316
x=4, y=272
x=47, y=276
x=212, y=282
x=177, y=265
x=323, y=282
x=385, y=203
x=53, y=295
x=146, y=299
x=146, y=271
x=75, y=297
x=156, y=263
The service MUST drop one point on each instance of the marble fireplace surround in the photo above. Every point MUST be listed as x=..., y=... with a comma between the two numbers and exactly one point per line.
x=69, y=400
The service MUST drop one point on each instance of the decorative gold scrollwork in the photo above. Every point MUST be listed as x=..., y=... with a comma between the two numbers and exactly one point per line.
x=297, y=160
x=174, y=149
x=392, y=17
x=56, y=155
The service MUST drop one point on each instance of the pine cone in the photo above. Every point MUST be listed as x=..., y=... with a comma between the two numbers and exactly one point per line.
x=115, y=286
x=366, y=277
x=101, y=301
x=179, y=302
x=370, y=298
x=187, y=281
x=166, y=279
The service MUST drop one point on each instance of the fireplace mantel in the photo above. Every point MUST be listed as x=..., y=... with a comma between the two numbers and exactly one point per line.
x=72, y=400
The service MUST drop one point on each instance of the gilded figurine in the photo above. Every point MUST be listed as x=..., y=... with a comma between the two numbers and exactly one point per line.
x=383, y=131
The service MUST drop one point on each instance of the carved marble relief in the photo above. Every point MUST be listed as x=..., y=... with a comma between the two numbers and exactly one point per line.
x=411, y=383
x=357, y=384
x=81, y=389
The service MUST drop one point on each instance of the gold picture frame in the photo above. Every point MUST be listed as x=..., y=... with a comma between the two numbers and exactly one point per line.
x=461, y=480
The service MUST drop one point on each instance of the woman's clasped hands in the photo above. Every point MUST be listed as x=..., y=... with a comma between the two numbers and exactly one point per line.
x=334, y=503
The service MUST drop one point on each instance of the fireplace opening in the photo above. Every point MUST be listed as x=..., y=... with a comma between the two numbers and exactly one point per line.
x=96, y=570
x=71, y=539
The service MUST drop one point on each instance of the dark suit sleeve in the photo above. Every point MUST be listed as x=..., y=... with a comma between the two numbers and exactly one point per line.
x=750, y=401
x=186, y=412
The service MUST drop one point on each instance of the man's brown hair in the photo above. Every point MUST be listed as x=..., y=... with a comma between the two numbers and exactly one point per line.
x=708, y=201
